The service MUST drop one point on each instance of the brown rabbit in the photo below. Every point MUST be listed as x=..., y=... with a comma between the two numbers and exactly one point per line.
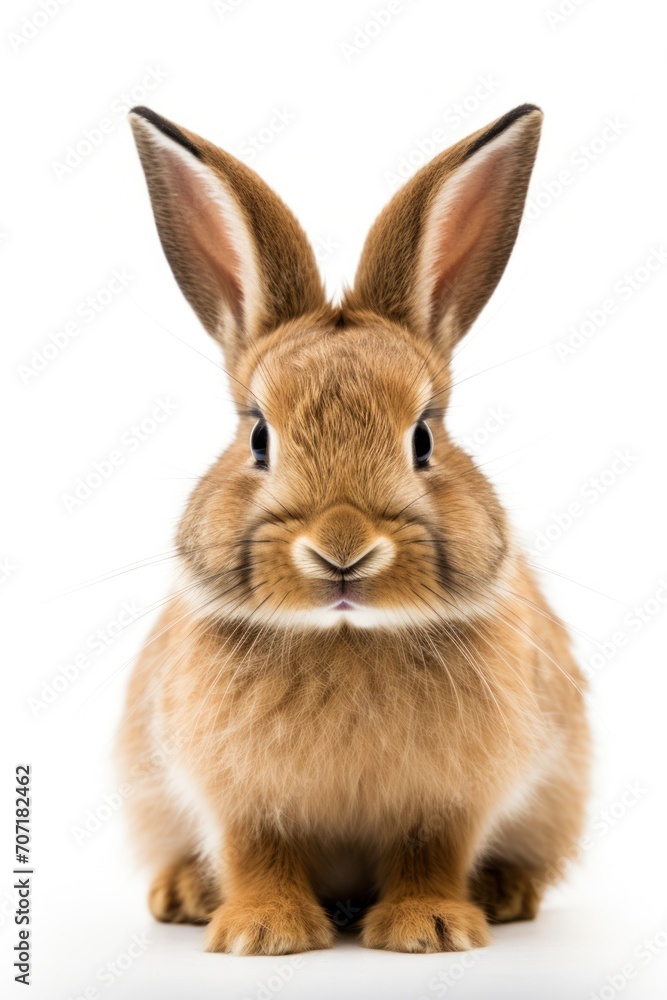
x=364, y=693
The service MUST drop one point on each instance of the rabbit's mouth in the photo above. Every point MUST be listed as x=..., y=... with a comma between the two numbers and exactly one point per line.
x=345, y=597
x=344, y=606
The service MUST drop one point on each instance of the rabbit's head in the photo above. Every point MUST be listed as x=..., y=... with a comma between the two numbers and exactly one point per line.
x=342, y=502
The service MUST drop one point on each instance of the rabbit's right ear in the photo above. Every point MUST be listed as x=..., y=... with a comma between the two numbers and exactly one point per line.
x=438, y=249
x=239, y=255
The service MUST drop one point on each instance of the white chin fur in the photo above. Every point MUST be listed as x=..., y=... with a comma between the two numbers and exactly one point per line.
x=206, y=604
x=326, y=618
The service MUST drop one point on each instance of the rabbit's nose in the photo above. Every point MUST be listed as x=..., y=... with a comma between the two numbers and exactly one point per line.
x=324, y=564
x=342, y=543
x=313, y=561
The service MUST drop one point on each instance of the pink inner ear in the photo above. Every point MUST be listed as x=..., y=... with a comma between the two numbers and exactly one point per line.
x=466, y=228
x=207, y=235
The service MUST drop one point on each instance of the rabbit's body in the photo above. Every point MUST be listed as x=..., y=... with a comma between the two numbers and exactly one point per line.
x=362, y=689
x=365, y=745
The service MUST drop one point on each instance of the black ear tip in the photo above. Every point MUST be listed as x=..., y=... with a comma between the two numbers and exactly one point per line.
x=501, y=125
x=166, y=127
x=151, y=116
x=524, y=109
x=140, y=109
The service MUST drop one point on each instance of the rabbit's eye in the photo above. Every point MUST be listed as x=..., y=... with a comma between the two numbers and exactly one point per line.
x=422, y=443
x=259, y=442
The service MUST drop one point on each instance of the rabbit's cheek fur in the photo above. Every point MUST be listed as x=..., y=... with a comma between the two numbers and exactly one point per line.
x=438, y=560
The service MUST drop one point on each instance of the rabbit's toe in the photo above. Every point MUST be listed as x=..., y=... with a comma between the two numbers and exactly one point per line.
x=183, y=893
x=269, y=927
x=507, y=892
x=425, y=924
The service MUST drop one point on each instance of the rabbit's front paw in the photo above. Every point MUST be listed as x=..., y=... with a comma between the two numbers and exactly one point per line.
x=425, y=924
x=269, y=927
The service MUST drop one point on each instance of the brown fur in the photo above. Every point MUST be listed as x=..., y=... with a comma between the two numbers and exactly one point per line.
x=433, y=757
x=184, y=893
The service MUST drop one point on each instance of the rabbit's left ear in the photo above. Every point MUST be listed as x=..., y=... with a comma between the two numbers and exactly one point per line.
x=240, y=256
x=439, y=248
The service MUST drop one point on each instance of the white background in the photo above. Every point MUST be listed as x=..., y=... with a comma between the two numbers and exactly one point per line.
x=354, y=114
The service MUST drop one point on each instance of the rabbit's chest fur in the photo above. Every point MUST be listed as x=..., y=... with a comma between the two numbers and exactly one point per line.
x=332, y=737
